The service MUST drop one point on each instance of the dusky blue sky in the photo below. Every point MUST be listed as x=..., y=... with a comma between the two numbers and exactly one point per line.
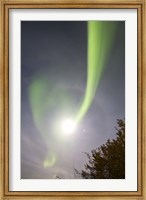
x=58, y=51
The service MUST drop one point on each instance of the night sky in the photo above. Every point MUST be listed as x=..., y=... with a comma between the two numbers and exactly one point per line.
x=57, y=53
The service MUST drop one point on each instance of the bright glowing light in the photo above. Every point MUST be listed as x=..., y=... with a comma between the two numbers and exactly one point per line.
x=68, y=126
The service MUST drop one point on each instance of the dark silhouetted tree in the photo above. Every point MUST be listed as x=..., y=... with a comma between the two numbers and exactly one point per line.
x=108, y=161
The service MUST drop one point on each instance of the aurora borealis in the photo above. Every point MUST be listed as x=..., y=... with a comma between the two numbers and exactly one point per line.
x=99, y=40
x=69, y=69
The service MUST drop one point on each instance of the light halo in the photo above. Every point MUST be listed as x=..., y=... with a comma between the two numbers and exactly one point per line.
x=68, y=126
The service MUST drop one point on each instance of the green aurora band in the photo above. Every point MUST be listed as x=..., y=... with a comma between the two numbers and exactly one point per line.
x=43, y=98
x=100, y=38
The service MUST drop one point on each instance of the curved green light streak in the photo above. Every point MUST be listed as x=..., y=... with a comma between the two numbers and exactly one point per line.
x=99, y=40
x=46, y=97
x=50, y=160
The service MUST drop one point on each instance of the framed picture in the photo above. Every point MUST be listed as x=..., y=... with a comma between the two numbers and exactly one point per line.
x=72, y=104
